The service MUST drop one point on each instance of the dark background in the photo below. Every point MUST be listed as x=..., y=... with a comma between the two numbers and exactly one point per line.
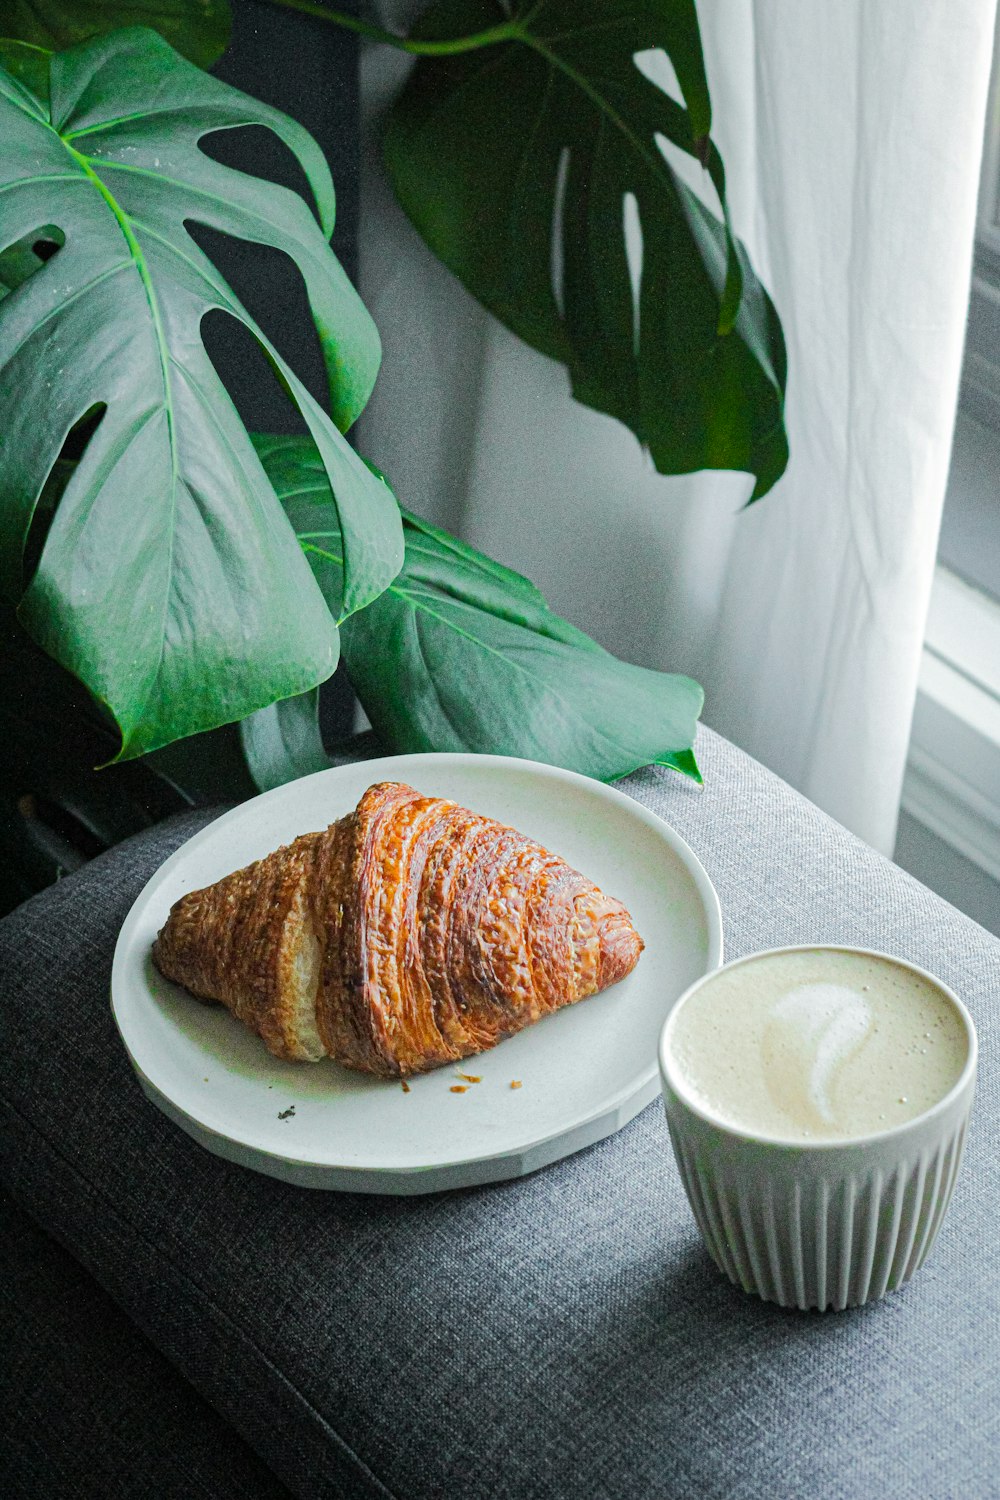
x=308, y=69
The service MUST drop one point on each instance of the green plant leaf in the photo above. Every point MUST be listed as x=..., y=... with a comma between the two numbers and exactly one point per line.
x=55, y=811
x=460, y=653
x=17, y=263
x=199, y=29
x=282, y=742
x=514, y=162
x=169, y=582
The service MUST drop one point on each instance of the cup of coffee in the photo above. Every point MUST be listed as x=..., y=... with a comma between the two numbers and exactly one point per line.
x=818, y=1099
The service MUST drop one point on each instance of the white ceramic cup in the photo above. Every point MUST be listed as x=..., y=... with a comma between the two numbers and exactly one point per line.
x=826, y=1224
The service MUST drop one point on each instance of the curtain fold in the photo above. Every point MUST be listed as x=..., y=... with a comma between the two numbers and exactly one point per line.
x=852, y=136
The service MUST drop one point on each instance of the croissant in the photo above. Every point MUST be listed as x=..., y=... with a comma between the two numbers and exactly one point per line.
x=407, y=935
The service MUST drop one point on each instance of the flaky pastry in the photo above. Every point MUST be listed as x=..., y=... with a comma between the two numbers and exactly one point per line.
x=407, y=935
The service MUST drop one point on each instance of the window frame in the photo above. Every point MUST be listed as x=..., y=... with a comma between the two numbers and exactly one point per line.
x=952, y=780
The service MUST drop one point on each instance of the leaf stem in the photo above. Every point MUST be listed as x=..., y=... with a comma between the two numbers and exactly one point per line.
x=506, y=31
x=139, y=259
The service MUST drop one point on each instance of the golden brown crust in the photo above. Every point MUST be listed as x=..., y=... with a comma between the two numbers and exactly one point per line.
x=235, y=942
x=440, y=933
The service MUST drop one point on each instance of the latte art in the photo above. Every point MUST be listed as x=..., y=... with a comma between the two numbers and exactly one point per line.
x=818, y=1044
x=809, y=1037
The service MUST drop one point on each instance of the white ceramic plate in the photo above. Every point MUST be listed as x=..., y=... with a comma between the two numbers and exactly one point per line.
x=584, y=1071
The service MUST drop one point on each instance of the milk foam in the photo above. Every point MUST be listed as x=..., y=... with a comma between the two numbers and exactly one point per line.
x=818, y=1044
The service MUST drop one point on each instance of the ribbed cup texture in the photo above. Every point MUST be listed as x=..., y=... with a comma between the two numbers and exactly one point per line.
x=812, y=1229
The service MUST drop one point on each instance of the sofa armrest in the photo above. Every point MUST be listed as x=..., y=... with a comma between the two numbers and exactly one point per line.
x=560, y=1335
x=93, y=1410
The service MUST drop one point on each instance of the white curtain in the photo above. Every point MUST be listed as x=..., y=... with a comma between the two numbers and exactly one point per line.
x=852, y=137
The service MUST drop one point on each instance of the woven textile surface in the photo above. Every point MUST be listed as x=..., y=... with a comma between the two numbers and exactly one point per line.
x=564, y=1335
x=100, y=1414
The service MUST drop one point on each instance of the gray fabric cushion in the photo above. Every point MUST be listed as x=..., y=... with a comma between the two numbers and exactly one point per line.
x=93, y=1411
x=563, y=1335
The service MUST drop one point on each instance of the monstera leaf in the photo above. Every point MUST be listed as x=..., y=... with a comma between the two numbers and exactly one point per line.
x=17, y=263
x=283, y=741
x=199, y=29
x=515, y=160
x=460, y=653
x=169, y=581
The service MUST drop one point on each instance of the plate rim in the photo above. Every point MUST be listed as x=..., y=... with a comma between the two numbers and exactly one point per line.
x=390, y=767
